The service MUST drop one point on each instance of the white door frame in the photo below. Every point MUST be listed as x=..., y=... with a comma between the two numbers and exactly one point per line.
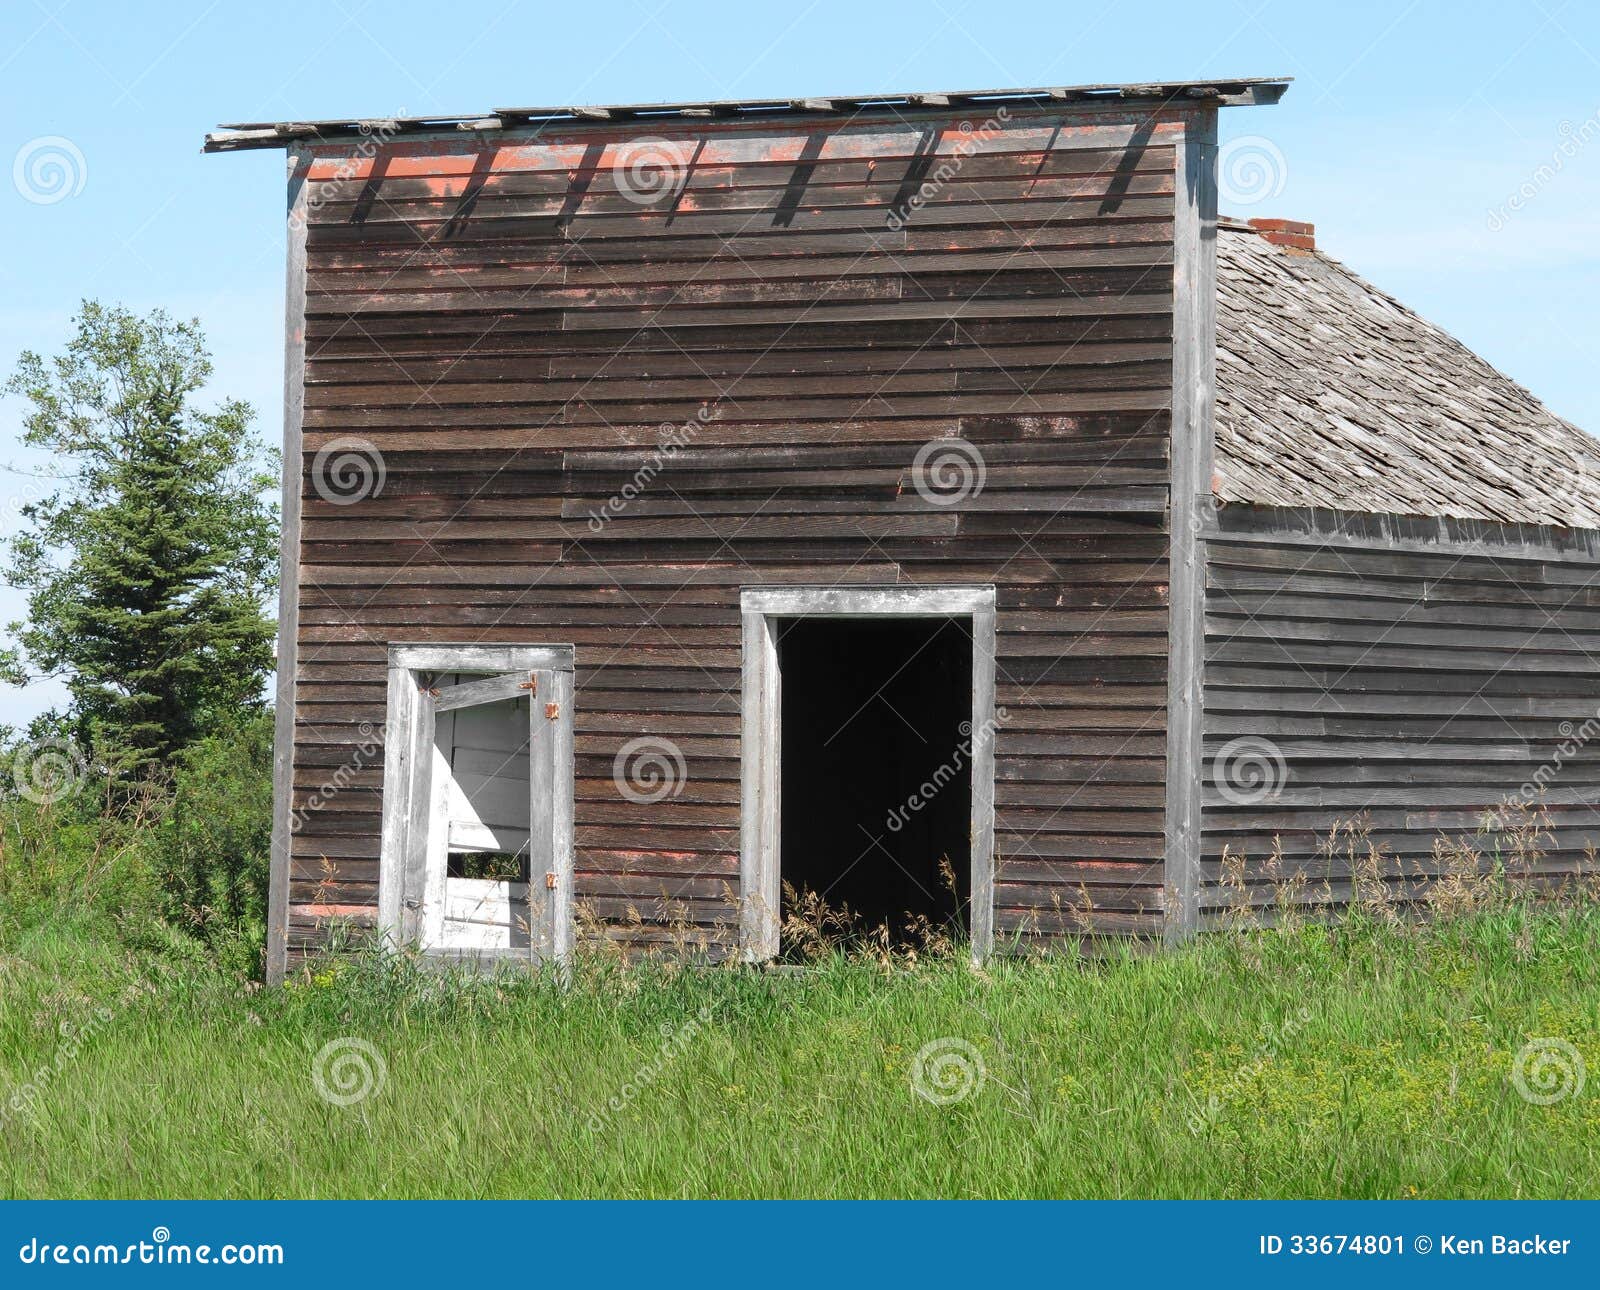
x=408, y=773
x=760, y=861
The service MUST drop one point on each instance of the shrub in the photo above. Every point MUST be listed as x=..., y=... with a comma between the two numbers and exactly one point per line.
x=212, y=847
x=175, y=858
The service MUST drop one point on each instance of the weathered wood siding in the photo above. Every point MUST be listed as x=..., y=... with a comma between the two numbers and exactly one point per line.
x=512, y=331
x=1413, y=675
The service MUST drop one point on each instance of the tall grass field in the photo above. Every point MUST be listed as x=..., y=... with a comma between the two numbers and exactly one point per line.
x=1376, y=1058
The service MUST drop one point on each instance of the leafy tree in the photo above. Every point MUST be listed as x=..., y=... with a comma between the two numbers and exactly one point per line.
x=148, y=568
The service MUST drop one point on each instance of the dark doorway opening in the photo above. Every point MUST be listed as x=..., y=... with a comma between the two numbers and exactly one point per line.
x=876, y=771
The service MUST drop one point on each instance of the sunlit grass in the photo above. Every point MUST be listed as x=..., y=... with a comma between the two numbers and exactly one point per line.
x=1374, y=1059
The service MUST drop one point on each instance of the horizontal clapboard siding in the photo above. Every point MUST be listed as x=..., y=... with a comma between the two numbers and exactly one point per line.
x=1405, y=677
x=514, y=334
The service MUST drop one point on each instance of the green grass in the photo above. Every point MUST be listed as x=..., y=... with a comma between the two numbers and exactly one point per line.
x=1362, y=1061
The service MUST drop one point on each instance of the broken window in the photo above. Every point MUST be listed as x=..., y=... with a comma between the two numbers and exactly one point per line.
x=476, y=858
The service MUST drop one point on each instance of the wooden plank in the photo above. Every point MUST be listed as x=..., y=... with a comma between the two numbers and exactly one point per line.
x=542, y=788
x=1193, y=404
x=492, y=689
x=289, y=581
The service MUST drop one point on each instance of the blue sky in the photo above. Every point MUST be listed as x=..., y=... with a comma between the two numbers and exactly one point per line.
x=1409, y=129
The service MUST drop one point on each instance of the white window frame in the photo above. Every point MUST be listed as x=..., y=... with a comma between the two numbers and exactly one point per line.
x=405, y=881
x=760, y=859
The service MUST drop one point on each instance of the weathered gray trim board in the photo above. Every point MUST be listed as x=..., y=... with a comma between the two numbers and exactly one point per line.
x=294, y=368
x=1166, y=95
x=760, y=862
x=407, y=800
x=480, y=658
x=1423, y=534
x=1193, y=406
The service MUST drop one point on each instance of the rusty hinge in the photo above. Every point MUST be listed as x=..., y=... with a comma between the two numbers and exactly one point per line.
x=429, y=690
x=552, y=711
x=550, y=881
x=531, y=685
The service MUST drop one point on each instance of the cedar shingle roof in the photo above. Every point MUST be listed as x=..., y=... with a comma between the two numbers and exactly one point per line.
x=1332, y=394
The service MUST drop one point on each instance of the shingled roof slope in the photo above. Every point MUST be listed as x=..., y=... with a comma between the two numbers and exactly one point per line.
x=1332, y=394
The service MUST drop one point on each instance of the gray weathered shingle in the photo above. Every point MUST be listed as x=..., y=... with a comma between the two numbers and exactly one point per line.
x=1330, y=393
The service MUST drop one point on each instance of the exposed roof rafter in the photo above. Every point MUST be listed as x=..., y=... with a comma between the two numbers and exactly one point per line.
x=275, y=134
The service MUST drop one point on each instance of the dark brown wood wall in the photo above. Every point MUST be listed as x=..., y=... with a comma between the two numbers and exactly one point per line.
x=1404, y=677
x=510, y=329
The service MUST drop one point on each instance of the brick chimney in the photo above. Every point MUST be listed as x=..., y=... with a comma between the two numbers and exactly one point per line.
x=1287, y=232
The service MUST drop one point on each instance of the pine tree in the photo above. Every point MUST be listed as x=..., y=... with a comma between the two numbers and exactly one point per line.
x=149, y=567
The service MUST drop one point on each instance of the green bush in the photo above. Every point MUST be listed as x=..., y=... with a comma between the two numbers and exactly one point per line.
x=176, y=861
x=212, y=846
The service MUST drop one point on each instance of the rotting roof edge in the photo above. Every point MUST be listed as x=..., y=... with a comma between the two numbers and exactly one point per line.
x=1243, y=91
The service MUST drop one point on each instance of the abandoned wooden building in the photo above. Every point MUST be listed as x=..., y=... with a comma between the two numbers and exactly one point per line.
x=693, y=501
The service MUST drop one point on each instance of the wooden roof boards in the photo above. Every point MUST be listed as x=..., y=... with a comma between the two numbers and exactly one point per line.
x=1332, y=394
x=1228, y=92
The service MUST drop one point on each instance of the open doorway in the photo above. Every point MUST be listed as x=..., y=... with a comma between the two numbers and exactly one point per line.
x=877, y=771
x=867, y=764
